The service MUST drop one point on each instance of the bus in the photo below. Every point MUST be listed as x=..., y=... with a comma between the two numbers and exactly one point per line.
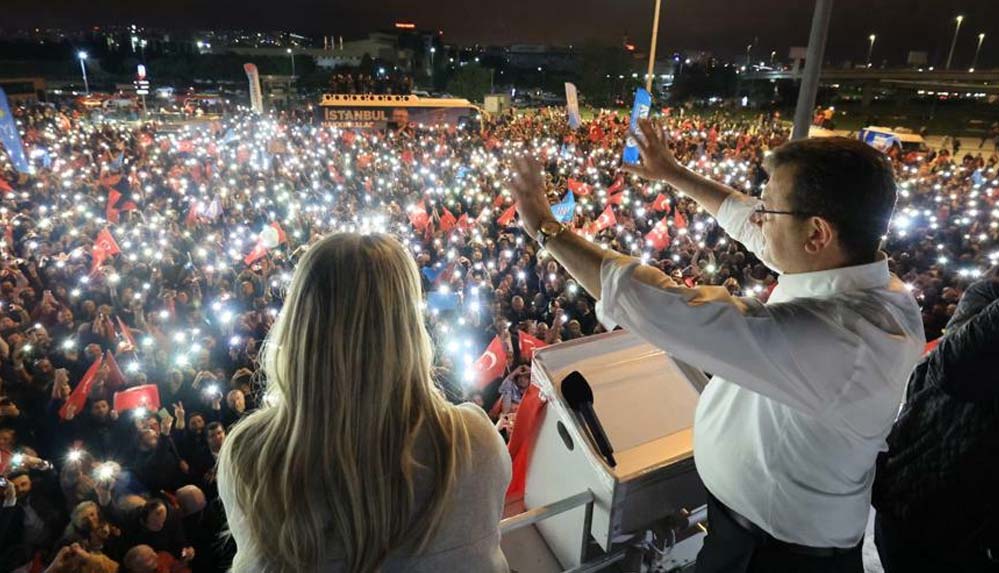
x=377, y=111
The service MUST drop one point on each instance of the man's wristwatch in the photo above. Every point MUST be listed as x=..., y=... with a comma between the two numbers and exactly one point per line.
x=548, y=231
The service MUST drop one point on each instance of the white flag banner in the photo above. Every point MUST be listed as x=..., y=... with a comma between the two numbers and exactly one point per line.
x=572, y=105
x=256, y=97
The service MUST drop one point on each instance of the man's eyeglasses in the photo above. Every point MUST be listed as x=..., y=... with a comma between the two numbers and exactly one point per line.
x=761, y=211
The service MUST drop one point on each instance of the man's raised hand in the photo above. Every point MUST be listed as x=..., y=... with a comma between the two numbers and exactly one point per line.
x=658, y=161
x=529, y=191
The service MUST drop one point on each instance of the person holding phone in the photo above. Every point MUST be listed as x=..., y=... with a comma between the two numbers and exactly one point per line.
x=356, y=461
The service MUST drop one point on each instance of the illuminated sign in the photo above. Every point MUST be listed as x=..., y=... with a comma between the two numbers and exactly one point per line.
x=405, y=25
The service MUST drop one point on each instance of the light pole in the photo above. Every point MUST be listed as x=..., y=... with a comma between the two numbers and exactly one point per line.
x=974, y=62
x=773, y=57
x=813, y=67
x=870, y=48
x=953, y=42
x=292, y=54
x=82, y=56
x=652, y=48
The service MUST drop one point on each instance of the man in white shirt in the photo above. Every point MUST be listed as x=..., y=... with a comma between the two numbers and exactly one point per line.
x=805, y=387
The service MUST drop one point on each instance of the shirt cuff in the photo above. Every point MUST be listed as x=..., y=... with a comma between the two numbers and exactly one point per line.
x=613, y=271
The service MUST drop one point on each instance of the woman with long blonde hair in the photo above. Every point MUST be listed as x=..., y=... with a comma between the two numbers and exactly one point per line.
x=356, y=462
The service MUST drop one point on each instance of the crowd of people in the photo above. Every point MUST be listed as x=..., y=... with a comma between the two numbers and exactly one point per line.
x=151, y=260
x=378, y=83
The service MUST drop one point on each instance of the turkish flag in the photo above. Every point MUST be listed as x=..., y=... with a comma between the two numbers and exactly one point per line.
x=447, y=220
x=110, y=212
x=528, y=344
x=530, y=414
x=115, y=377
x=615, y=199
x=498, y=201
x=491, y=364
x=418, y=216
x=605, y=220
x=463, y=223
x=5, y=187
x=146, y=396
x=659, y=235
x=507, y=217
x=407, y=156
x=78, y=397
x=679, y=220
x=104, y=247
x=578, y=187
x=258, y=252
x=661, y=203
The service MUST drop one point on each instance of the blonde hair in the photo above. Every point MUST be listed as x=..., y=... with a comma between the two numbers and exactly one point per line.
x=330, y=457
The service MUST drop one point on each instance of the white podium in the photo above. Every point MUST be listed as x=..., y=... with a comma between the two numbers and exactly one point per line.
x=645, y=401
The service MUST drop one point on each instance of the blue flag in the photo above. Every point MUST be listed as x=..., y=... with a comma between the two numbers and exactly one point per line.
x=565, y=210
x=10, y=138
x=431, y=274
x=118, y=162
x=643, y=103
x=442, y=301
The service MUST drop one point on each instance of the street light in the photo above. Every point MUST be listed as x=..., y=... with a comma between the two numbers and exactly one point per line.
x=81, y=55
x=953, y=43
x=974, y=62
x=870, y=49
x=292, y=54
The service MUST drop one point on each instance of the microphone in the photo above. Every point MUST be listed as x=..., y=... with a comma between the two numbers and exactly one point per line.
x=577, y=392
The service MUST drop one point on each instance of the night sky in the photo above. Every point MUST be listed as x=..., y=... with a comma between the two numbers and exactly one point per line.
x=724, y=27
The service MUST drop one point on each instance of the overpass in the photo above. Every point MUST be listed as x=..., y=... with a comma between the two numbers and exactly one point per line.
x=957, y=81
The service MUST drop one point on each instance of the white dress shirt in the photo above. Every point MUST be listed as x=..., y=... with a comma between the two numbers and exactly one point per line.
x=805, y=387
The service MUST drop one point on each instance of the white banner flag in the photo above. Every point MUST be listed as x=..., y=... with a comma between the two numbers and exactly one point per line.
x=572, y=105
x=256, y=97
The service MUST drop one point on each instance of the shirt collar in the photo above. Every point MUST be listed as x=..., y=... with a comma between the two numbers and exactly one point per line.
x=832, y=281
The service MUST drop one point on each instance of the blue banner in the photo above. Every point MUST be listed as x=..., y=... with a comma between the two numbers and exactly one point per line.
x=643, y=103
x=431, y=273
x=10, y=138
x=442, y=301
x=572, y=105
x=565, y=210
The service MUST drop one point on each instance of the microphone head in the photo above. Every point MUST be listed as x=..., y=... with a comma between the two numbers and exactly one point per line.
x=576, y=390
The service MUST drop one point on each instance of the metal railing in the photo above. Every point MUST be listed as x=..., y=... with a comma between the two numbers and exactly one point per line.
x=533, y=516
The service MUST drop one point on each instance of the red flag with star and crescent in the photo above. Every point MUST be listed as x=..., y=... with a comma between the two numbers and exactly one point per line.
x=104, y=246
x=605, y=220
x=419, y=216
x=507, y=217
x=448, y=220
x=659, y=235
x=528, y=344
x=679, y=220
x=491, y=364
x=578, y=187
x=661, y=203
